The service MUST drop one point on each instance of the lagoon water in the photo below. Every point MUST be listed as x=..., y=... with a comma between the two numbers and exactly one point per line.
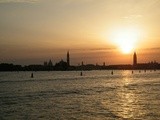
x=97, y=95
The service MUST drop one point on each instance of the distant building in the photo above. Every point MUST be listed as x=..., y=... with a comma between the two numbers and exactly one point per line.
x=62, y=65
x=104, y=64
x=134, y=59
x=82, y=63
x=50, y=63
x=68, y=59
x=45, y=63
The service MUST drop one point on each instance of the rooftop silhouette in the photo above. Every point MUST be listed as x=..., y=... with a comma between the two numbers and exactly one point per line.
x=65, y=65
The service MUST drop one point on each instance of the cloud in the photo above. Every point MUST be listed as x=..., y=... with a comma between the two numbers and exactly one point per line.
x=156, y=48
x=132, y=17
x=18, y=1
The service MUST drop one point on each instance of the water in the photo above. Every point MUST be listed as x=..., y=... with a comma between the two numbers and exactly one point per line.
x=97, y=95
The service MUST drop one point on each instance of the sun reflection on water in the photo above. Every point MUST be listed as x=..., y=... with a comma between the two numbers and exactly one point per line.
x=129, y=98
x=126, y=100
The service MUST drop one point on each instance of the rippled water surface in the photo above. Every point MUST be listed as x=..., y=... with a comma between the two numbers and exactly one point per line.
x=97, y=95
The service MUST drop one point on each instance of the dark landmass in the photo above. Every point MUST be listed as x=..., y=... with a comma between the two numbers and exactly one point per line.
x=63, y=66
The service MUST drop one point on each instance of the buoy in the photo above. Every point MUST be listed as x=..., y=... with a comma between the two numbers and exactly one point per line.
x=112, y=72
x=81, y=74
x=132, y=71
x=31, y=75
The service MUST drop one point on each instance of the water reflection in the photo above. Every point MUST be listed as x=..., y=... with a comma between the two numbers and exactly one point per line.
x=125, y=104
x=128, y=98
x=98, y=95
x=126, y=109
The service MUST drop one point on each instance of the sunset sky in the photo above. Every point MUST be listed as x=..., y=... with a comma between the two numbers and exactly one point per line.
x=94, y=31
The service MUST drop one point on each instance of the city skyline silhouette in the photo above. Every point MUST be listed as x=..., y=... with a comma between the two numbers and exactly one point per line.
x=66, y=65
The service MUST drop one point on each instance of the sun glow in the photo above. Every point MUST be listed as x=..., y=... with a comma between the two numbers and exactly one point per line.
x=125, y=39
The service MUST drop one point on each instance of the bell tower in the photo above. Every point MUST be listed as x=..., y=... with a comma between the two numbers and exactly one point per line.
x=68, y=59
x=134, y=59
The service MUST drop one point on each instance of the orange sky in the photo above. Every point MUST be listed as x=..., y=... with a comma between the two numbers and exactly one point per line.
x=33, y=31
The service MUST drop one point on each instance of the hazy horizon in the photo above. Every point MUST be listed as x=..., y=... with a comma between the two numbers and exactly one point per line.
x=34, y=31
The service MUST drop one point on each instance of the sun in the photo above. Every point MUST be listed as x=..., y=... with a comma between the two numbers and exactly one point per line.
x=125, y=39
